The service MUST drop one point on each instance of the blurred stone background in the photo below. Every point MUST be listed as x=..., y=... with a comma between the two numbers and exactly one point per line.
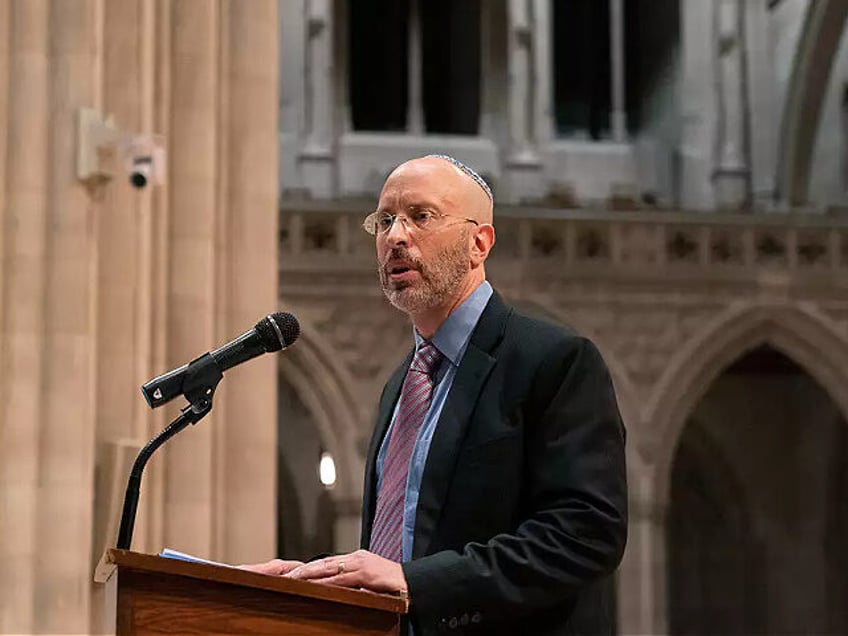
x=670, y=177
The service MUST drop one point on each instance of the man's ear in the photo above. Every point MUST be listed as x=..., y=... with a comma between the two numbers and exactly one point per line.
x=482, y=241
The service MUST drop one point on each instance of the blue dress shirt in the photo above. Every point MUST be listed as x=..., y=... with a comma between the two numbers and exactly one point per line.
x=451, y=340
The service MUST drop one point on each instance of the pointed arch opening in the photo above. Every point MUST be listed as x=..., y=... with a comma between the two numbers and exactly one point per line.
x=753, y=504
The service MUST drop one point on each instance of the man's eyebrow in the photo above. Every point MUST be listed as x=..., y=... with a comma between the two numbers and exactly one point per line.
x=423, y=205
x=416, y=205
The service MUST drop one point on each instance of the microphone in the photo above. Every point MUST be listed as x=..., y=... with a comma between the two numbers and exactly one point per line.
x=272, y=333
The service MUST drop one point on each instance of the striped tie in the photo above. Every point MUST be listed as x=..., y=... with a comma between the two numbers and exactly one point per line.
x=414, y=404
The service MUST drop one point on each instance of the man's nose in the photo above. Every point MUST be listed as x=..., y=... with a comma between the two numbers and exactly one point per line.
x=398, y=233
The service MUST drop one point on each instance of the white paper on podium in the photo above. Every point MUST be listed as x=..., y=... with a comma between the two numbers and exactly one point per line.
x=168, y=553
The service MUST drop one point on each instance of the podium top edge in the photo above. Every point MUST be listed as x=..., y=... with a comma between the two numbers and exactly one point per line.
x=125, y=559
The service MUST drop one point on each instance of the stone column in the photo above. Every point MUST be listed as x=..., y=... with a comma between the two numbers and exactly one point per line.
x=317, y=157
x=732, y=172
x=246, y=458
x=195, y=224
x=642, y=574
x=67, y=431
x=415, y=105
x=346, y=533
x=619, y=107
x=130, y=325
x=543, y=116
x=523, y=166
x=698, y=105
x=24, y=236
x=102, y=287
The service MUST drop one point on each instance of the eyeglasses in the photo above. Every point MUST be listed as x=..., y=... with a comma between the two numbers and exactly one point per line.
x=417, y=220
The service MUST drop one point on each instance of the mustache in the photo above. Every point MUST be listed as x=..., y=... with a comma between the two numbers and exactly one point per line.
x=402, y=254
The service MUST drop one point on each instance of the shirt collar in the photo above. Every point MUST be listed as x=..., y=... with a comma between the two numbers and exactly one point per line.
x=451, y=339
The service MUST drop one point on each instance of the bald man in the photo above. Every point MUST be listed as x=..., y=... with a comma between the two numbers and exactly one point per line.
x=495, y=491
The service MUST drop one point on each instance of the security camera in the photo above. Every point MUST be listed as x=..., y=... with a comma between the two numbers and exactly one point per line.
x=145, y=161
x=102, y=148
x=142, y=167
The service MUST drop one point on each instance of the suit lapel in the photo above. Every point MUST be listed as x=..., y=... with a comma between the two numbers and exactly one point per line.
x=387, y=407
x=453, y=422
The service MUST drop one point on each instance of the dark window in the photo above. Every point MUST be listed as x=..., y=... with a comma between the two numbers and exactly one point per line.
x=582, y=73
x=379, y=33
x=651, y=49
x=450, y=63
x=449, y=33
x=583, y=63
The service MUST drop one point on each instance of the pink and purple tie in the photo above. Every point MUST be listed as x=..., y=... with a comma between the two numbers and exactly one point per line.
x=415, y=398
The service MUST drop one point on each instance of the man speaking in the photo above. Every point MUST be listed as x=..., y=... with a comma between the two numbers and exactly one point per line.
x=495, y=488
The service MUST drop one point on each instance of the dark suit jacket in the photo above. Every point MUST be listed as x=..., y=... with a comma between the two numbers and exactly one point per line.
x=522, y=515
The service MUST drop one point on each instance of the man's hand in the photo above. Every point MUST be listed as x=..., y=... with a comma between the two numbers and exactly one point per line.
x=274, y=566
x=358, y=569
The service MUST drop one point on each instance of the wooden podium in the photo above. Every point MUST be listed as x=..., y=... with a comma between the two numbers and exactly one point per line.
x=156, y=595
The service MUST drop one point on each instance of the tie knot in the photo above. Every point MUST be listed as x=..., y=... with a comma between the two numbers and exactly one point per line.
x=427, y=359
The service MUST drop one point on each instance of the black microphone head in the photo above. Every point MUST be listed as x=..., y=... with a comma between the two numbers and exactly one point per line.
x=278, y=331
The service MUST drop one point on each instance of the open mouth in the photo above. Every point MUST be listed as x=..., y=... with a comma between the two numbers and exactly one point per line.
x=400, y=272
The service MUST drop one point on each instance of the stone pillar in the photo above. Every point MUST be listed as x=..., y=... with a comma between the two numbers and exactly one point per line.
x=415, y=105
x=103, y=286
x=732, y=173
x=642, y=574
x=543, y=115
x=317, y=157
x=523, y=166
x=24, y=236
x=67, y=419
x=195, y=224
x=619, y=108
x=346, y=533
x=698, y=105
x=246, y=465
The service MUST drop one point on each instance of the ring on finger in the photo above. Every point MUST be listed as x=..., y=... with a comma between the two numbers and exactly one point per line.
x=341, y=567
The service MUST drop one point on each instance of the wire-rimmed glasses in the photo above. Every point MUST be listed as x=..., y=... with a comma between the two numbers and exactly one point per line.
x=419, y=220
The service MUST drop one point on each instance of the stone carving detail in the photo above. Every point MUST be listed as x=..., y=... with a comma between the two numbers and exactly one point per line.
x=593, y=243
x=812, y=250
x=642, y=286
x=726, y=247
x=546, y=241
x=638, y=244
x=643, y=337
x=837, y=314
x=319, y=234
x=771, y=249
x=366, y=336
x=682, y=246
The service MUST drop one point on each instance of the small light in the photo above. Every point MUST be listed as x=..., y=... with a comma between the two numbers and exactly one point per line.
x=327, y=470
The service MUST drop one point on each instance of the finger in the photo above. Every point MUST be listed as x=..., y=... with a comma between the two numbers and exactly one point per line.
x=348, y=579
x=261, y=568
x=287, y=566
x=323, y=569
x=274, y=567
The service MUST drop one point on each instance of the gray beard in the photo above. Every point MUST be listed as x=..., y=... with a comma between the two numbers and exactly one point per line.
x=439, y=280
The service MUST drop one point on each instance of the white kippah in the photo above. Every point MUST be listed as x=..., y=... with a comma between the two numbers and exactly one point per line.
x=480, y=181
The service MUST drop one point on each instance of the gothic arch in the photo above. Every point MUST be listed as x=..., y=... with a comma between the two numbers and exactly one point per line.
x=324, y=386
x=817, y=47
x=808, y=338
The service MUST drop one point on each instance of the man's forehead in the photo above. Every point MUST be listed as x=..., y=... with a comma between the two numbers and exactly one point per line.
x=423, y=169
x=412, y=193
x=407, y=180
